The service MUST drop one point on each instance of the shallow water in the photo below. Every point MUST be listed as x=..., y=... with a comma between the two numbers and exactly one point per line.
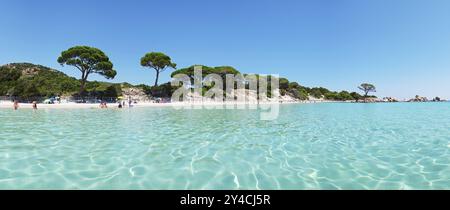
x=310, y=146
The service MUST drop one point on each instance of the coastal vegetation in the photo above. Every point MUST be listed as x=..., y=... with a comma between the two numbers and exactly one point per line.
x=292, y=89
x=25, y=80
x=87, y=60
x=367, y=88
x=28, y=80
x=36, y=82
x=157, y=61
x=222, y=71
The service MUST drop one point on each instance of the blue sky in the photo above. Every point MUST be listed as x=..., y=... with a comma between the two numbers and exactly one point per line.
x=402, y=46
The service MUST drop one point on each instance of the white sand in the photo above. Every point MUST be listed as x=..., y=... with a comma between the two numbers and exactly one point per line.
x=9, y=105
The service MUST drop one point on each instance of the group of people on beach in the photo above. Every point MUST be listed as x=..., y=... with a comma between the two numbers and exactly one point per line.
x=103, y=105
x=121, y=105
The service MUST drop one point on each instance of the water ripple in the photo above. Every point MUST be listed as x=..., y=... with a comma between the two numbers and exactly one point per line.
x=319, y=146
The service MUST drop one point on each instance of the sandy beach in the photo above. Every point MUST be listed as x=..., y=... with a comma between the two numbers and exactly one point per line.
x=9, y=105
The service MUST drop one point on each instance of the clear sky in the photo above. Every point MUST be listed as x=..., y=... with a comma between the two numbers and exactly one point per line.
x=401, y=46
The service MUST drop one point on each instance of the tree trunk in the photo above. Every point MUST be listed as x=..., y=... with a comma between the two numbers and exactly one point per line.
x=83, y=84
x=157, y=77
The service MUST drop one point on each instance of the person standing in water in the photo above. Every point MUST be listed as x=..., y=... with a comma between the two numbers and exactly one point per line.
x=34, y=105
x=16, y=105
x=103, y=105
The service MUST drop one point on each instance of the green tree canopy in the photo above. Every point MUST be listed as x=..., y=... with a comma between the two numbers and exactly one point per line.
x=88, y=60
x=356, y=96
x=299, y=93
x=220, y=70
x=283, y=83
x=157, y=61
x=318, y=92
x=294, y=85
x=367, y=88
x=345, y=96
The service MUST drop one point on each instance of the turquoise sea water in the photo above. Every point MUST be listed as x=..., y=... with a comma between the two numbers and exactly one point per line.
x=310, y=146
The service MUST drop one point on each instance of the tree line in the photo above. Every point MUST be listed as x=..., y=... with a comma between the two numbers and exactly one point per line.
x=90, y=60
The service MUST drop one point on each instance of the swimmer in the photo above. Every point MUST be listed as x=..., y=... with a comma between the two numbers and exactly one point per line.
x=34, y=105
x=16, y=105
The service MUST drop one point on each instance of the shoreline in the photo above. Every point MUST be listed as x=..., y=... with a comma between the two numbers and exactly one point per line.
x=9, y=105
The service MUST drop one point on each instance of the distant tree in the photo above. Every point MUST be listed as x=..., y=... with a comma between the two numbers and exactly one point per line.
x=88, y=60
x=283, y=83
x=356, y=96
x=157, y=61
x=206, y=70
x=164, y=90
x=319, y=92
x=332, y=96
x=113, y=91
x=339, y=96
x=222, y=71
x=303, y=94
x=367, y=88
x=299, y=93
x=294, y=85
x=315, y=93
x=25, y=89
x=8, y=74
x=345, y=96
